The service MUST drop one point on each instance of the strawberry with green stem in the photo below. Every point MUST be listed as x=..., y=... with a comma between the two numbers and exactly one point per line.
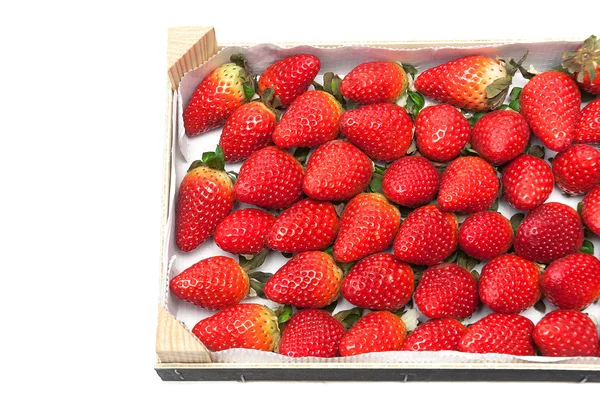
x=584, y=64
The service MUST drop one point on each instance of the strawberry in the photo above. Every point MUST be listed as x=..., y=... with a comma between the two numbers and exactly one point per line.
x=307, y=225
x=435, y=335
x=337, y=171
x=427, y=236
x=447, y=290
x=311, y=120
x=566, y=333
x=375, y=82
x=584, y=64
x=312, y=333
x=270, y=178
x=549, y=232
x=375, y=332
x=577, y=170
x=368, y=225
x=290, y=77
x=244, y=231
x=441, y=132
x=509, y=284
x=588, y=126
x=411, y=181
x=485, y=235
x=527, y=182
x=379, y=282
x=245, y=326
x=469, y=185
x=590, y=211
x=307, y=280
x=550, y=103
x=572, y=282
x=383, y=131
x=500, y=136
x=499, y=333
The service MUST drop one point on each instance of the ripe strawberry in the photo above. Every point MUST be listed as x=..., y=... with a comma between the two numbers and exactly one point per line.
x=447, y=290
x=509, y=284
x=311, y=120
x=485, y=235
x=245, y=326
x=527, y=182
x=590, y=212
x=307, y=280
x=588, y=126
x=549, y=232
x=499, y=333
x=367, y=226
x=383, y=131
x=427, y=236
x=312, y=333
x=577, y=170
x=411, y=181
x=469, y=185
x=379, y=282
x=550, y=103
x=435, y=335
x=441, y=132
x=500, y=136
x=307, y=225
x=375, y=332
x=566, y=333
x=337, y=171
x=290, y=77
x=572, y=282
x=584, y=64
x=244, y=231
x=270, y=178
x=375, y=82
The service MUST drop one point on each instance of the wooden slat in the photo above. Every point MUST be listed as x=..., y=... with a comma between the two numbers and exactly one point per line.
x=188, y=48
x=176, y=344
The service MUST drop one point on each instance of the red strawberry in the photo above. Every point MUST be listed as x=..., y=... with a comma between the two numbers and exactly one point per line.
x=290, y=77
x=527, y=182
x=550, y=103
x=499, y=333
x=469, y=185
x=311, y=120
x=577, y=170
x=411, y=181
x=588, y=126
x=307, y=225
x=337, y=171
x=509, y=284
x=590, y=211
x=368, y=225
x=379, y=282
x=312, y=333
x=572, y=282
x=427, y=236
x=375, y=82
x=441, y=132
x=584, y=64
x=500, y=136
x=245, y=326
x=549, y=232
x=244, y=231
x=485, y=235
x=270, y=178
x=435, y=335
x=383, y=131
x=447, y=290
x=375, y=332
x=308, y=280
x=566, y=333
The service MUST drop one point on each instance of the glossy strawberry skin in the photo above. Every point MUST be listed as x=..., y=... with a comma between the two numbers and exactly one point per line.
x=499, y=333
x=588, y=126
x=441, y=132
x=577, y=170
x=374, y=82
x=590, y=212
x=411, y=181
x=307, y=280
x=527, y=182
x=379, y=282
x=383, y=131
x=485, y=235
x=244, y=231
x=550, y=103
x=375, y=332
x=566, y=333
x=572, y=282
x=435, y=335
x=290, y=77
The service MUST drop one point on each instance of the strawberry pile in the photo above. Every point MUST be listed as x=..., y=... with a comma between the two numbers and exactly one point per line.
x=388, y=204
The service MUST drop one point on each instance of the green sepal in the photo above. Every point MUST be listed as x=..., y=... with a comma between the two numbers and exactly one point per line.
x=540, y=306
x=287, y=255
x=284, y=314
x=579, y=208
x=468, y=150
x=466, y=261
x=409, y=69
x=346, y=267
x=585, y=59
x=250, y=262
x=331, y=307
x=494, y=206
x=587, y=247
x=414, y=103
x=257, y=281
x=349, y=317
x=476, y=117
x=516, y=220
x=537, y=151
x=375, y=186
x=248, y=91
x=301, y=154
x=211, y=159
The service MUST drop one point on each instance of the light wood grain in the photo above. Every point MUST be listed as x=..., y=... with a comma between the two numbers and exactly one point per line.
x=176, y=344
x=188, y=48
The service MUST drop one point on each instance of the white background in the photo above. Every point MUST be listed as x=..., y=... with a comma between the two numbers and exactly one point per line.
x=82, y=89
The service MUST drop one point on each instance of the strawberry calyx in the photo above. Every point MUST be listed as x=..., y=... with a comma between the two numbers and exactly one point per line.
x=349, y=317
x=331, y=84
x=497, y=91
x=246, y=73
x=586, y=59
x=213, y=160
x=272, y=102
x=258, y=280
x=587, y=247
